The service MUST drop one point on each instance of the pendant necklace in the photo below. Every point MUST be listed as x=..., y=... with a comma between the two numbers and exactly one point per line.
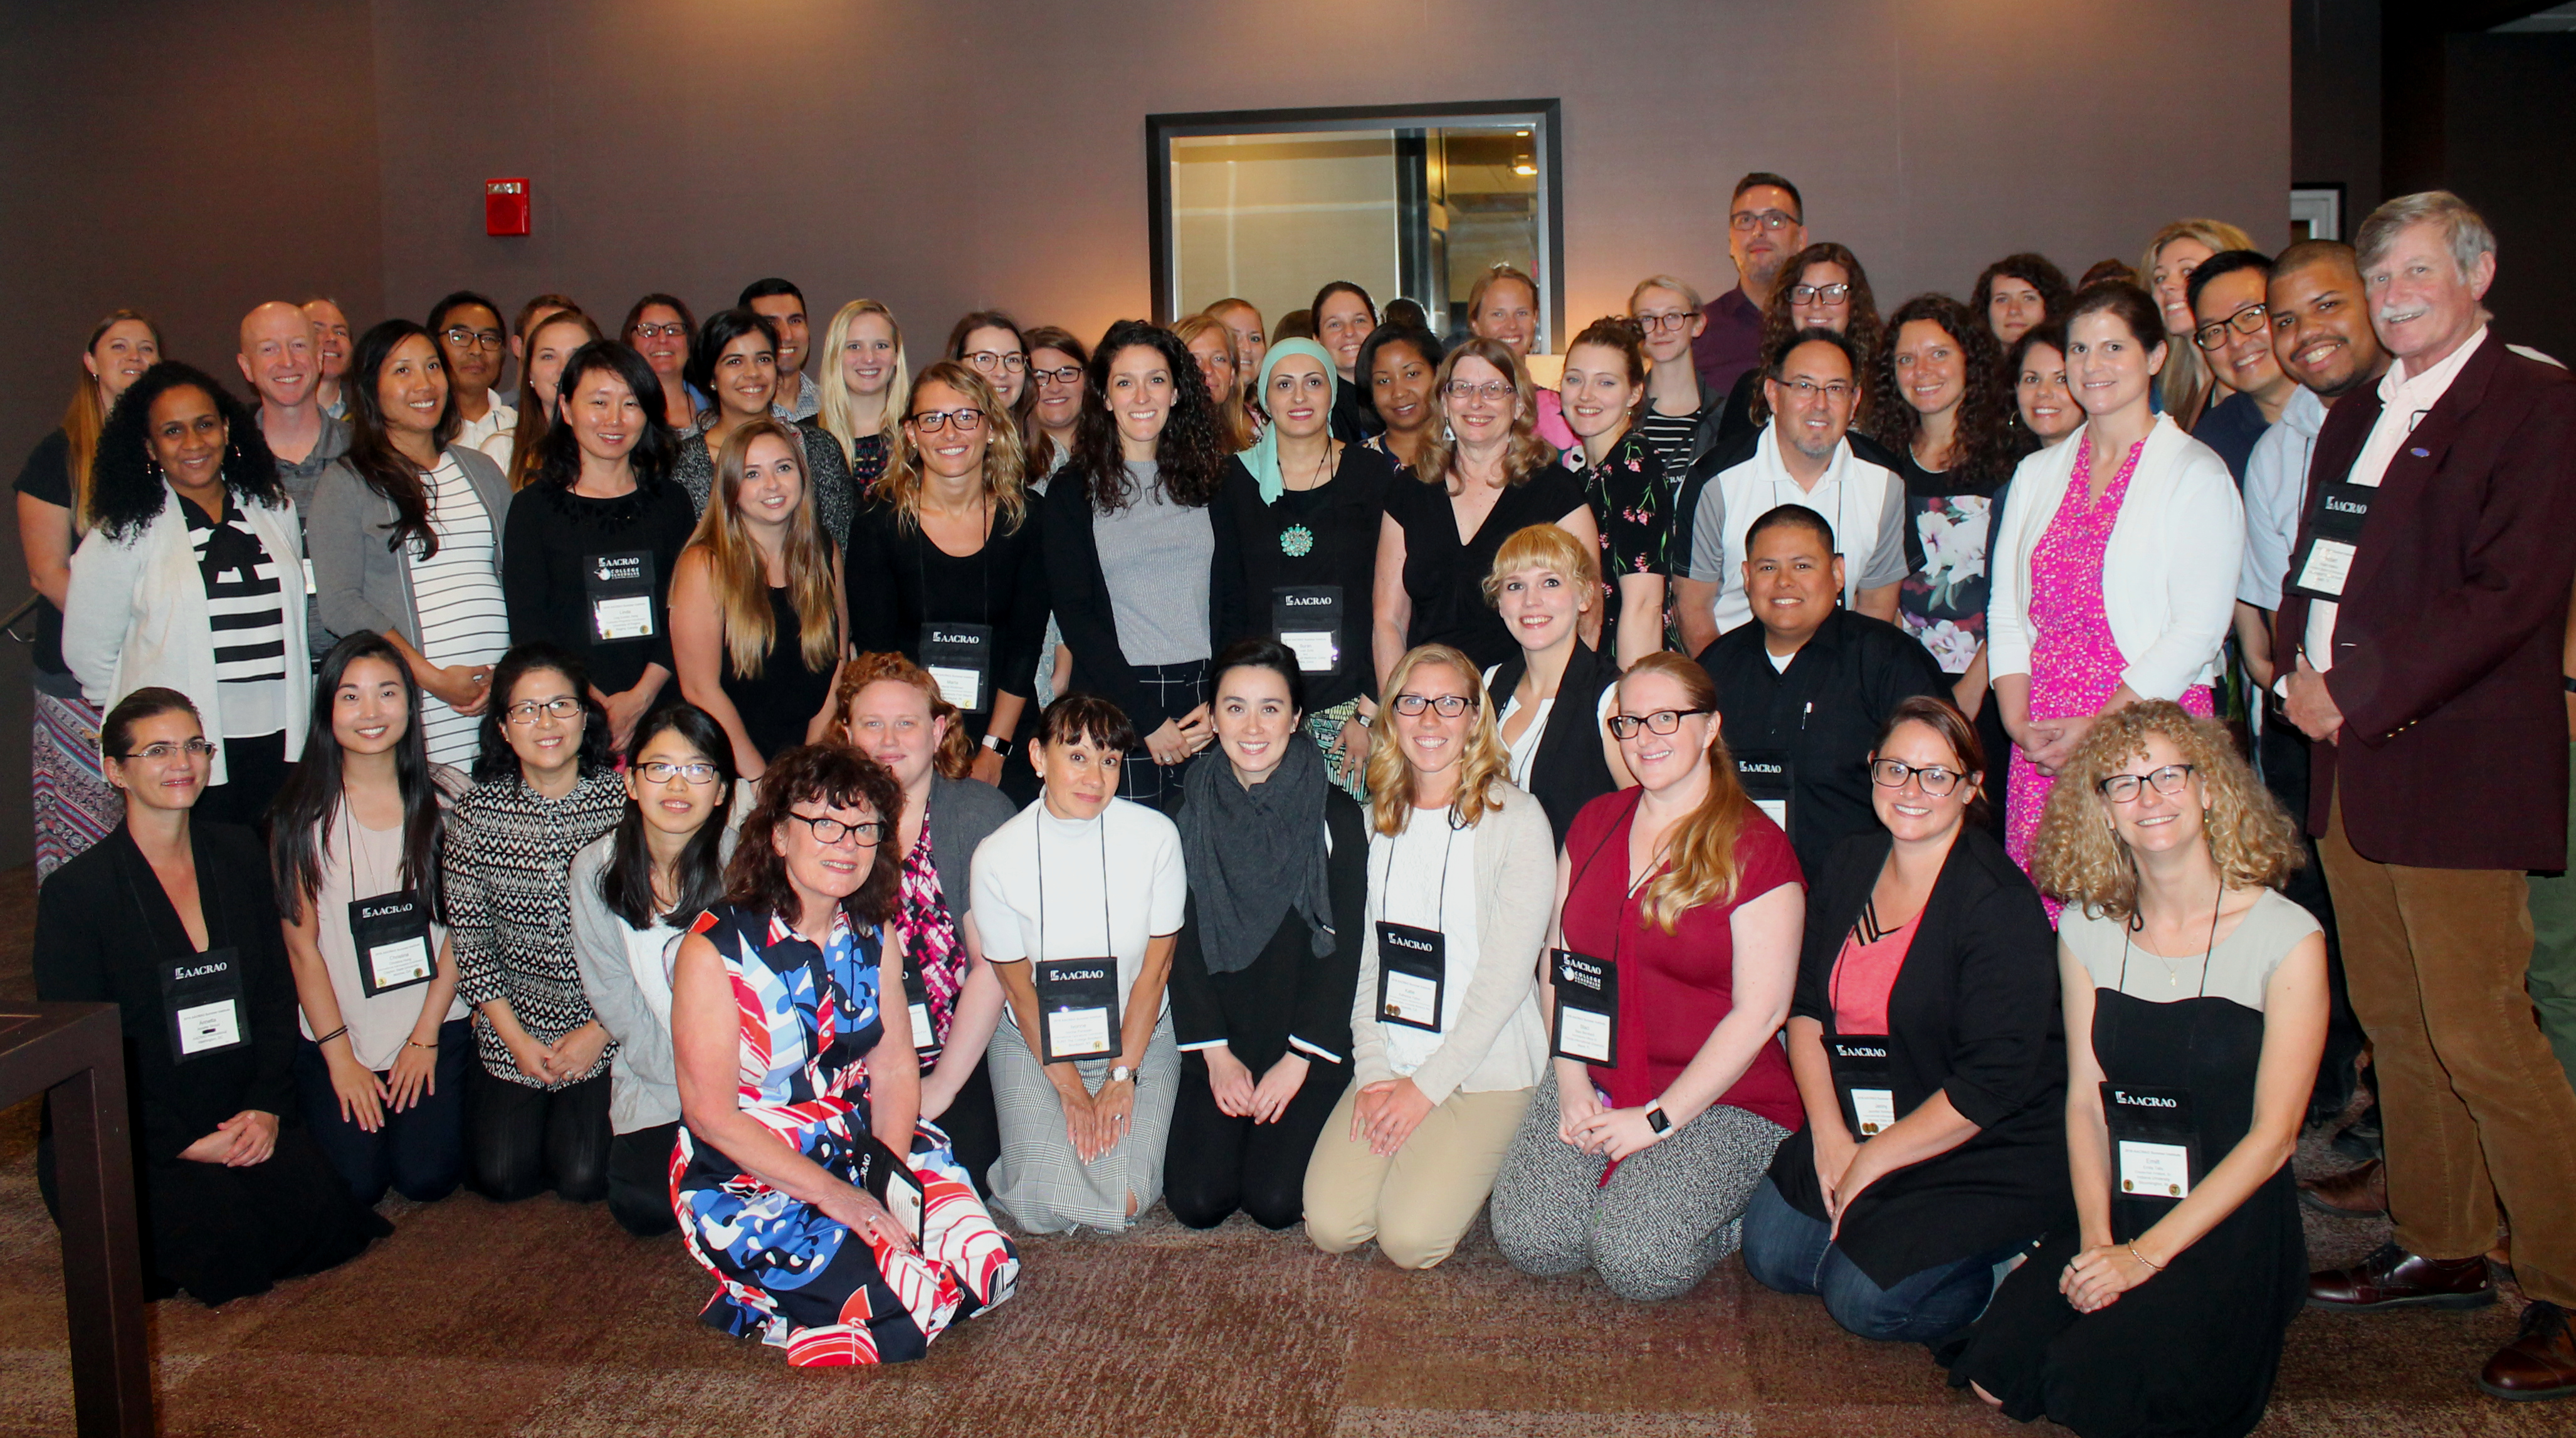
x=1297, y=541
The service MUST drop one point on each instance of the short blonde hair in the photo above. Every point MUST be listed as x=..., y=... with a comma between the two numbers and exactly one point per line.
x=2080, y=859
x=1543, y=546
x=1483, y=764
x=1680, y=287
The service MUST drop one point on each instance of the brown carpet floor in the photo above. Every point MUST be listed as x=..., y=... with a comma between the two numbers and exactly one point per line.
x=542, y=1319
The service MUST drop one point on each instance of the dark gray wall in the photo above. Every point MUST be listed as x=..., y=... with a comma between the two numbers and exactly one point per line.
x=2334, y=100
x=2512, y=113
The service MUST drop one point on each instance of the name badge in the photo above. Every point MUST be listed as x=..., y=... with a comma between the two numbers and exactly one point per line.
x=1308, y=618
x=310, y=588
x=203, y=995
x=916, y=999
x=960, y=660
x=1586, y=1026
x=2155, y=1145
x=1077, y=1009
x=1862, y=1076
x=892, y=1183
x=621, y=586
x=1412, y=969
x=391, y=932
x=2334, y=537
x=1767, y=777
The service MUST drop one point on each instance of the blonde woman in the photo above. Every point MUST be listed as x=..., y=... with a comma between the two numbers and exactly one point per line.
x=2195, y=1010
x=1447, y=1041
x=1503, y=307
x=2186, y=389
x=864, y=382
x=1553, y=697
x=1212, y=344
x=758, y=619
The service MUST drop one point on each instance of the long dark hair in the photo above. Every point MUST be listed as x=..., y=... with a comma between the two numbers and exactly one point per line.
x=655, y=450
x=125, y=486
x=721, y=329
x=497, y=760
x=1983, y=451
x=626, y=885
x=835, y=775
x=1034, y=441
x=307, y=809
x=1190, y=453
x=1865, y=331
x=385, y=469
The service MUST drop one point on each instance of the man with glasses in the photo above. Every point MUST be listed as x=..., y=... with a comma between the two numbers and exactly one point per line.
x=1803, y=692
x=1803, y=456
x=798, y=398
x=1766, y=223
x=277, y=358
x=2233, y=332
x=472, y=344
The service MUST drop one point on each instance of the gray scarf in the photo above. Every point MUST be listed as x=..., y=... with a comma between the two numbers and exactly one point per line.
x=1256, y=853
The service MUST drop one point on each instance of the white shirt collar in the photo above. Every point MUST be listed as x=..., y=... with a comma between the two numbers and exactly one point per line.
x=1775, y=466
x=2423, y=391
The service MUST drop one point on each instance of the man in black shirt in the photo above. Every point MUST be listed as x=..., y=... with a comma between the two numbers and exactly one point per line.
x=1802, y=692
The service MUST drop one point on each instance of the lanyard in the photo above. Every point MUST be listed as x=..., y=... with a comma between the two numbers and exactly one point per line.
x=1108, y=935
x=2137, y=922
x=1440, y=923
x=1619, y=930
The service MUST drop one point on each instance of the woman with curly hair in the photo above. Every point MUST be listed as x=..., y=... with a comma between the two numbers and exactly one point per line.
x=2195, y=999
x=1821, y=287
x=1144, y=587
x=2017, y=292
x=193, y=537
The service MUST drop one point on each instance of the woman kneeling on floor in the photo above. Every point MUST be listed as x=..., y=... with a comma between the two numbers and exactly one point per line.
x=836, y=1227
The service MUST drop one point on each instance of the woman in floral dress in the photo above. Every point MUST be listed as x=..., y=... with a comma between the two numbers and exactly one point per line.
x=1624, y=481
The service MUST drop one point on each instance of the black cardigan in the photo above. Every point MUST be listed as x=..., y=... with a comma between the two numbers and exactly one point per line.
x=897, y=579
x=1082, y=607
x=1287, y=991
x=1569, y=770
x=1974, y=1014
x=548, y=540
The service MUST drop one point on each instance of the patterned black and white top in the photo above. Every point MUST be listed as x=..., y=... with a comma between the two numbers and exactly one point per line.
x=506, y=858
x=244, y=599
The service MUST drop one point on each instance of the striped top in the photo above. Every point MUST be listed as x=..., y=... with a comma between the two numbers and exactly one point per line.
x=1670, y=436
x=457, y=593
x=244, y=608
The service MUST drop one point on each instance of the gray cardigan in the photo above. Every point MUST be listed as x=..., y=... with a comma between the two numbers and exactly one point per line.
x=963, y=814
x=643, y=1077
x=361, y=584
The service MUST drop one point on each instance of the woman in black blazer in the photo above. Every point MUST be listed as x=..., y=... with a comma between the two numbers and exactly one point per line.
x=1930, y=1057
x=177, y=925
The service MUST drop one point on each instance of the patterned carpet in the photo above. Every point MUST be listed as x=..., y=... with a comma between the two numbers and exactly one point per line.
x=542, y=1319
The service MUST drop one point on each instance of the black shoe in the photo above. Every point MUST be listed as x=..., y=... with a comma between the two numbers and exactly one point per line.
x=2360, y=1139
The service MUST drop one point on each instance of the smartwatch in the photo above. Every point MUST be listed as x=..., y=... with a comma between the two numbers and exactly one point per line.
x=998, y=745
x=1656, y=1118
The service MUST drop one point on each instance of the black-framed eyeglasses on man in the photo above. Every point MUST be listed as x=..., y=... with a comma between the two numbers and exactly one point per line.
x=2248, y=320
x=1775, y=221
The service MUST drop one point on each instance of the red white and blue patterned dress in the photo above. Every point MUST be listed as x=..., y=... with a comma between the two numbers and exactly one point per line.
x=785, y=1271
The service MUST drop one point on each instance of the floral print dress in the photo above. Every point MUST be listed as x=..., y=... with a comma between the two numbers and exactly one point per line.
x=1632, y=506
x=1942, y=602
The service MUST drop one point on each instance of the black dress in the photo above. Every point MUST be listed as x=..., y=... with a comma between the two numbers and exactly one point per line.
x=901, y=584
x=1313, y=540
x=1445, y=576
x=778, y=703
x=1943, y=599
x=572, y=567
x=106, y=932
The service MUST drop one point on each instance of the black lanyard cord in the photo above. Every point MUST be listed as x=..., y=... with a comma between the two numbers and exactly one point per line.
x=1385, y=885
x=1108, y=935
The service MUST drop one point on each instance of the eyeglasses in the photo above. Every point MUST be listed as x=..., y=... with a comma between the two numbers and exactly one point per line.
x=1835, y=390
x=1677, y=319
x=1070, y=374
x=463, y=338
x=671, y=331
x=1743, y=221
x=932, y=421
x=1448, y=706
x=2246, y=321
x=1662, y=721
x=529, y=711
x=1492, y=391
x=1937, y=780
x=990, y=360
x=1809, y=294
x=165, y=751
x=661, y=771
x=828, y=830
x=2121, y=788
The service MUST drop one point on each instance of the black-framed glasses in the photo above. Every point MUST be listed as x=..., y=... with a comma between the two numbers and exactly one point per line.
x=529, y=711
x=1662, y=721
x=662, y=771
x=1936, y=780
x=1677, y=319
x=2169, y=780
x=2248, y=320
x=1804, y=389
x=1743, y=221
x=464, y=339
x=165, y=751
x=828, y=830
x=1492, y=391
x=1447, y=706
x=1809, y=294
x=991, y=360
x=1068, y=374
x=932, y=421
x=672, y=331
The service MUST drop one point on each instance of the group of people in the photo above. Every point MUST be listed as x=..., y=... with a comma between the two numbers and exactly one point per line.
x=1738, y=799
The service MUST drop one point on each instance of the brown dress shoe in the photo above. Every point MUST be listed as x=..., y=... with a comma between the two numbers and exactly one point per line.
x=2540, y=1362
x=2394, y=1278
x=2355, y=1193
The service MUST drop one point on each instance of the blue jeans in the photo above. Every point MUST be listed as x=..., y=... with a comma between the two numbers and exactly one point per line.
x=1787, y=1251
x=420, y=1152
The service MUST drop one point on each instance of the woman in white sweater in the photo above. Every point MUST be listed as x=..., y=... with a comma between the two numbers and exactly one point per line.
x=2111, y=565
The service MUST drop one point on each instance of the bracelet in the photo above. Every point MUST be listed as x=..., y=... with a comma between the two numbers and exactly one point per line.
x=2142, y=1258
x=417, y=1044
x=335, y=1033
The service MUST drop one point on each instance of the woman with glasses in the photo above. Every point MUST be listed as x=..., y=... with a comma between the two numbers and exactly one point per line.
x=2195, y=1007
x=172, y=920
x=2111, y=561
x=1925, y=1040
x=1677, y=919
x=1086, y=1072
x=1503, y=306
x=537, y=1105
x=864, y=380
x=1821, y=287
x=1680, y=417
x=2015, y=293
x=1400, y=364
x=1056, y=361
x=1556, y=693
x=1603, y=392
x=1486, y=475
x=1343, y=317
x=635, y=891
x=1447, y=1040
x=759, y=615
x=194, y=538
x=549, y=345
x=989, y=342
x=944, y=564
x=658, y=328
x=1212, y=345
x=800, y=1094
x=475, y=349
x=738, y=364
x=406, y=536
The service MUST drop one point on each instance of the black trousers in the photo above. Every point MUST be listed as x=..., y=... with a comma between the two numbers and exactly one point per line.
x=974, y=1130
x=418, y=1153
x=639, y=1180
x=1216, y=1163
x=521, y=1141
x=254, y=770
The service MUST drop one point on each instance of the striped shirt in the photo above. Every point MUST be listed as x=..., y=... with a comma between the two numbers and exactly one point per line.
x=457, y=593
x=1670, y=436
x=245, y=609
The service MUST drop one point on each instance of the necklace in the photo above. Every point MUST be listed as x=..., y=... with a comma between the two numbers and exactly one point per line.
x=1297, y=541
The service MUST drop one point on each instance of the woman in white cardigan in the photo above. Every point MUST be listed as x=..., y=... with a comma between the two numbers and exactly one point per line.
x=2111, y=565
x=1446, y=1040
x=193, y=579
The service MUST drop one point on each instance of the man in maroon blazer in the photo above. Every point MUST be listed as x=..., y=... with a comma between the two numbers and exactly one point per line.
x=2427, y=601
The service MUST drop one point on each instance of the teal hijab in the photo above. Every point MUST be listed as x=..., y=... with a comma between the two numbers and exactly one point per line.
x=1263, y=458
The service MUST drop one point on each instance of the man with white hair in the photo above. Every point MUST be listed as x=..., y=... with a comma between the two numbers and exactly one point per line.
x=2426, y=604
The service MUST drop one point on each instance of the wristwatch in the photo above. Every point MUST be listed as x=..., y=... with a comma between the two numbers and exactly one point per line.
x=1656, y=1118
x=1120, y=1073
x=998, y=745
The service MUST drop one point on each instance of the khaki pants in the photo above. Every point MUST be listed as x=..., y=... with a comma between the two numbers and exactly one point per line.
x=2474, y=1105
x=1418, y=1201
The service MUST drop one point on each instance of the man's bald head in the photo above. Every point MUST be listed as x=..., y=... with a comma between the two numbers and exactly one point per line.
x=277, y=355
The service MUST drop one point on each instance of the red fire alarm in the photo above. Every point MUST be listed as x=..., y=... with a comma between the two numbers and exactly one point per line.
x=505, y=206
